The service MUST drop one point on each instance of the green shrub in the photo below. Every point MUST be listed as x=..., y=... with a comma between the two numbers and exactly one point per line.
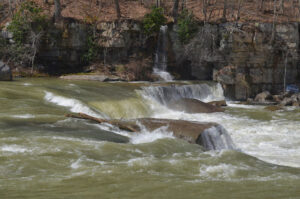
x=153, y=21
x=187, y=26
x=28, y=18
x=92, y=50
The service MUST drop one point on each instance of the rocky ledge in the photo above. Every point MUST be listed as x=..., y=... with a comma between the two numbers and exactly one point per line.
x=101, y=78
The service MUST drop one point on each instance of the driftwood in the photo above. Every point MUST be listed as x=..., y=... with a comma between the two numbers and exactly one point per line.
x=127, y=127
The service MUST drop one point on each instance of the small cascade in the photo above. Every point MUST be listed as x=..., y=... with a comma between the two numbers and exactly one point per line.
x=161, y=60
x=164, y=94
x=216, y=138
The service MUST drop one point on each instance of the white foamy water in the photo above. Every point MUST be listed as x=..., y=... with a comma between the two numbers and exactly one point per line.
x=146, y=136
x=276, y=141
x=25, y=116
x=13, y=149
x=74, y=105
x=166, y=76
x=165, y=94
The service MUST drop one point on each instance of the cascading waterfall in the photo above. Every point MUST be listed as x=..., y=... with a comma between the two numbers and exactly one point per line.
x=216, y=138
x=204, y=92
x=161, y=60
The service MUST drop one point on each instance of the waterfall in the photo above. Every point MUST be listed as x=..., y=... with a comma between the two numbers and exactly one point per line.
x=216, y=138
x=164, y=94
x=161, y=60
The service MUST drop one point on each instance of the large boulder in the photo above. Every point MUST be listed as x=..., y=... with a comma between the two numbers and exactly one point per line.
x=5, y=72
x=263, y=97
x=193, y=106
x=211, y=136
x=189, y=131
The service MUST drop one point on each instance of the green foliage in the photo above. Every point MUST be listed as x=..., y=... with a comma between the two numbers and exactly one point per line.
x=28, y=18
x=154, y=20
x=187, y=26
x=92, y=50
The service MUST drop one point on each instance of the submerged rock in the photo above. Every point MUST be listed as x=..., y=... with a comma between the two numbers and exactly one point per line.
x=273, y=108
x=5, y=72
x=194, y=106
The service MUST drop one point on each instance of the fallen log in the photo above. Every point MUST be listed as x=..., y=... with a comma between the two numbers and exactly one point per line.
x=129, y=127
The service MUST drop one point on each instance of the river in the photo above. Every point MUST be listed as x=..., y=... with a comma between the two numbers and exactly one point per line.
x=43, y=154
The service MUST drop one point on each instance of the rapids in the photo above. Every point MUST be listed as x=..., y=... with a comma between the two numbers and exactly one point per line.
x=45, y=155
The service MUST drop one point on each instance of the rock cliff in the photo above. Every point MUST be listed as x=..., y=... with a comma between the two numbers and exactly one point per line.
x=245, y=58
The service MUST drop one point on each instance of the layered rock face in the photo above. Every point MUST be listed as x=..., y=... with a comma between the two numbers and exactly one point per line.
x=64, y=46
x=246, y=59
x=5, y=72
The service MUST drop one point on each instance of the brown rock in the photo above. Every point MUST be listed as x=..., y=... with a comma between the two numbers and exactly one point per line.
x=277, y=98
x=262, y=97
x=187, y=130
x=193, y=106
x=287, y=101
x=296, y=104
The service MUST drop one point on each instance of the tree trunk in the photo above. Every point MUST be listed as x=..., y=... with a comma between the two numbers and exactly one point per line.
x=117, y=5
x=57, y=10
x=274, y=22
x=239, y=10
x=224, y=10
x=10, y=7
x=282, y=6
x=261, y=6
x=183, y=5
x=118, y=123
x=204, y=9
x=299, y=7
x=175, y=10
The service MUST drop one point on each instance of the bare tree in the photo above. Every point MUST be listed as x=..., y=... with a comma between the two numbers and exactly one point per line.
x=183, y=4
x=175, y=10
x=261, y=5
x=117, y=5
x=274, y=22
x=35, y=41
x=57, y=10
x=239, y=10
x=204, y=9
x=224, y=10
x=282, y=6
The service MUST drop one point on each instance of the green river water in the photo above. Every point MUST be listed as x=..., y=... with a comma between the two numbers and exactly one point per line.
x=46, y=155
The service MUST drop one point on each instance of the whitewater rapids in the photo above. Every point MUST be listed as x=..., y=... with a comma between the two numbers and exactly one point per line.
x=45, y=155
